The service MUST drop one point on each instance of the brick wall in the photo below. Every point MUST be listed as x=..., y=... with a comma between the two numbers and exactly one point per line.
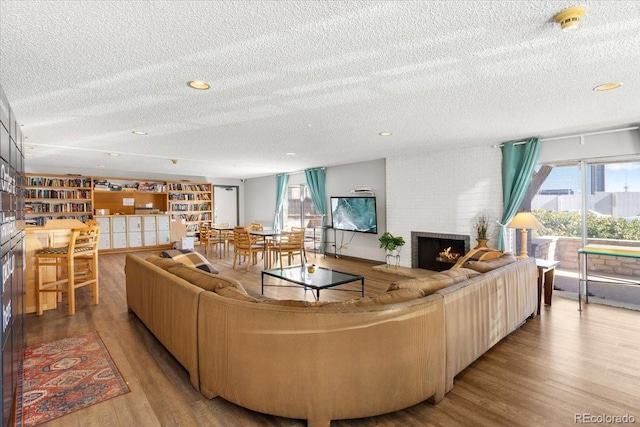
x=443, y=192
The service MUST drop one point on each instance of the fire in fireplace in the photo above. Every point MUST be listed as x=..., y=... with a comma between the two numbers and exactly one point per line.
x=437, y=251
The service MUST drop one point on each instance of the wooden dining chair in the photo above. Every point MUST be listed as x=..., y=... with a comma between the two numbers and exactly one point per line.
x=206, y=236
x=291, y=243
x=243, y=245
x=76, y=266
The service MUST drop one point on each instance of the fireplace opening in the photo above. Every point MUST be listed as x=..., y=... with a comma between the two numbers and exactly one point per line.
x=428, y=250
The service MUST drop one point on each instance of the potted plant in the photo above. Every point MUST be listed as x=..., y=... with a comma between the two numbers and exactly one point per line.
x=482, y=226
x=391, y=243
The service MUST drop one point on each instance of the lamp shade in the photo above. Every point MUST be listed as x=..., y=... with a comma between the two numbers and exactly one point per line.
x=524, y=220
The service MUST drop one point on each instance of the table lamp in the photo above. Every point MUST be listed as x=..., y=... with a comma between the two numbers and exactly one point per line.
x=524, y=221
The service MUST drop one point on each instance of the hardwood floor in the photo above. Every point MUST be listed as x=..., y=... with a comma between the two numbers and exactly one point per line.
x=558, y=365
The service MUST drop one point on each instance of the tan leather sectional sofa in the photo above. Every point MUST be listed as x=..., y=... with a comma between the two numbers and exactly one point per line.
x=324, y=361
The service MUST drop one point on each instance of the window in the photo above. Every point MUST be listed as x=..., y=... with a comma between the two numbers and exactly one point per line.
x=298, y=208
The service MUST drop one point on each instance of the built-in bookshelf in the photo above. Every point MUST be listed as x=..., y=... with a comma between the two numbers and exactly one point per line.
x=80, y=197
x=127, y=197
x=191, y=202
x=57, y=196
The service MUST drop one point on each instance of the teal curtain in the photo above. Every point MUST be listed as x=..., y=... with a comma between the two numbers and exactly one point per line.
x=518, y=162
x=281, y=189
x=316, y=181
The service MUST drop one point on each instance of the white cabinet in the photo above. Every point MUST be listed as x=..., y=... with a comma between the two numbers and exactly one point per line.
x=105, y=232
x=150, y=230
x=118, y=232
x=135, y=231
x=164, y=235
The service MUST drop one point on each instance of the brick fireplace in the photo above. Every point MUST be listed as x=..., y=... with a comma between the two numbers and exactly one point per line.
x=426, y=246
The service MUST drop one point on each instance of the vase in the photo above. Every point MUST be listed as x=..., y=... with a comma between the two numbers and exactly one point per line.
x=482, y=243
x=393, y=257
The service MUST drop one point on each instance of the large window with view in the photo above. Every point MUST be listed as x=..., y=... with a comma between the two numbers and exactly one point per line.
x=298, y=210
x=605, y=206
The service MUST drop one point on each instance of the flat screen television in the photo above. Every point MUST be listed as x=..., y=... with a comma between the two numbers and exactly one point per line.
x=354, y=214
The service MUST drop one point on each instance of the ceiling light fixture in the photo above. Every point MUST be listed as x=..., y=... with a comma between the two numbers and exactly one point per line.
x=385, y=134
x=607, y=86
x=138, y=132
x=199, y=85
x=569, y=19
x=114, y=154
x=290, y=154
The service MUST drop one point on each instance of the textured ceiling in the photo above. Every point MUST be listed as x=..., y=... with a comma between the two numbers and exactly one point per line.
x=316, y=78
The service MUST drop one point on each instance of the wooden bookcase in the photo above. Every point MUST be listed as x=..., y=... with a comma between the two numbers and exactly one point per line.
x=191, y=202
x=57, y=196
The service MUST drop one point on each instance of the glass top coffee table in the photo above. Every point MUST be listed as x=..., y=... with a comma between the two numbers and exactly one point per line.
x=321, y=278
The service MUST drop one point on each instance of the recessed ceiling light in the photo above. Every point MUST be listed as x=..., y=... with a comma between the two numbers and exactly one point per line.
x=200, y=85
x=291, y=154
x=29, y=147
x=138, y=132
x=114, y=154
x=607, y=86
x=385, y=134
x=100, y=166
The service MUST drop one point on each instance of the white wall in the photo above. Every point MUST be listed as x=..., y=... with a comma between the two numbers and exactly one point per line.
x=260, y=196
x=443, y=192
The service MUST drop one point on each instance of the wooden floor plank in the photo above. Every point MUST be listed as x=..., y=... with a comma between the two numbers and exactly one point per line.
x=562, y=363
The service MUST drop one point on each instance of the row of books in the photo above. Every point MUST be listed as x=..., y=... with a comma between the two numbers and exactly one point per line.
x=190, y=206
x=37, y=207
x=189, y=196
x=189, y=187
x=34, y=181
x=57, y=194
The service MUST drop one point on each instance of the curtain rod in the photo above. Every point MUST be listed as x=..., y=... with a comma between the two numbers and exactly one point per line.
x=302, y=171
x=575, y=135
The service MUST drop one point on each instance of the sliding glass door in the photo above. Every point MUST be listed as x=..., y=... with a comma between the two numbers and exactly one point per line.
x=591, y=203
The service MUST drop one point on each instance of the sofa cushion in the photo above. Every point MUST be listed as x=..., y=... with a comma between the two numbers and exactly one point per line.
x=191, y=259
x=390, y=297
x=428, y=284
x=461, y=274
x=479, y=254
x=485, y=266
x=202, y=279
x=163, y=263
x=236, y=293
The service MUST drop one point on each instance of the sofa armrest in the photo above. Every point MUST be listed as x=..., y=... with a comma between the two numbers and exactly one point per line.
x=168, y=306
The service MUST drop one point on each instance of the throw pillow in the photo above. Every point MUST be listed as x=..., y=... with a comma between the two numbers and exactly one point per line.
x=485, y=266
x=191, y=259
x=163, y=263
x=207, y=281
x=479, y=254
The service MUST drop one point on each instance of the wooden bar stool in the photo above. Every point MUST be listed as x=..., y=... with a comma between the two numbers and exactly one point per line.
x=82, y=251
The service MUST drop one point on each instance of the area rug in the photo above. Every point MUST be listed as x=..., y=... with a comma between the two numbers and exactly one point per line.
x=63, y=376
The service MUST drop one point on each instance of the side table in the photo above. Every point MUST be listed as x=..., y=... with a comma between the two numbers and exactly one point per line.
x=546, y=274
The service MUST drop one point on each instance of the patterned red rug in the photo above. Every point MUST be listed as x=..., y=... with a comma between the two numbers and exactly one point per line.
x=63, y=376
